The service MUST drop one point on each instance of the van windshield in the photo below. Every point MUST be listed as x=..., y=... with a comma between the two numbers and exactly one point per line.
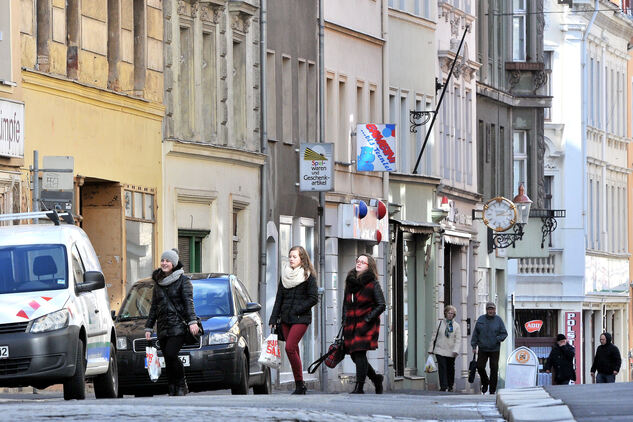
x=31, y=268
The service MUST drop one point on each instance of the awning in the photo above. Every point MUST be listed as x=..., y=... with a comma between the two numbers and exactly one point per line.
x=418, y=227
x=456, y=238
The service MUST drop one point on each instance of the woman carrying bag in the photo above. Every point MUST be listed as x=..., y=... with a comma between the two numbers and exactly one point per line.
x=296, y=295
x=362, y=305
x=172, y=300
x=445, y=346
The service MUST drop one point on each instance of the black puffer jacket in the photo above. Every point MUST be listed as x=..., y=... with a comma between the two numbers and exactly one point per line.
x=607, y=358
x=168, y=322
x=293, y=305
x=561, y=361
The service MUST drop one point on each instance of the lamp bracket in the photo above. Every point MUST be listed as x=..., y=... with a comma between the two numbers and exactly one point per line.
x=415, y=115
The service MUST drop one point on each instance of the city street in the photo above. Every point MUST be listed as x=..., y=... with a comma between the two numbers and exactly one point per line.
x=220, y=406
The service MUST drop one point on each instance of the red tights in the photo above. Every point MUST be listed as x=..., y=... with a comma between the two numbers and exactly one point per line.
x=293, y=334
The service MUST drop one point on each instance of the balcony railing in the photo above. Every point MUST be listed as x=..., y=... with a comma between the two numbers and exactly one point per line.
x=538, y=266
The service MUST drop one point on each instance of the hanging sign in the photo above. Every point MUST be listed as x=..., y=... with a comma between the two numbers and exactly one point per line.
x=376, y=147
x=572, y=332
x=533, y=326
x=316, y=165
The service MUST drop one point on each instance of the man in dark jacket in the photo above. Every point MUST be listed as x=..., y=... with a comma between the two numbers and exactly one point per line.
x=607, y=361
x=486, y=340
x=561, y=360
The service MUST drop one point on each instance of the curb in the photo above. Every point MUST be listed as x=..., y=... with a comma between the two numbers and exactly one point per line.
x=530, y=405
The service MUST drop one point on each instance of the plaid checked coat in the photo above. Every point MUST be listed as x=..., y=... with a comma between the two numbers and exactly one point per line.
x=362, y=306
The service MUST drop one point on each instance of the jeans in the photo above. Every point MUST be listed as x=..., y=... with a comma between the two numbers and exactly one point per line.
x=293, y=334
x=604, y=378
x=363, y=367
x=494, y=369
x=170, y=346
x=446, y=372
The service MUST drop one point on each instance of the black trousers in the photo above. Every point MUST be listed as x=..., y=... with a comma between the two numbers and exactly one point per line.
x=446, y=372
x=170, y=346
x=363, y=368
x=482, y=358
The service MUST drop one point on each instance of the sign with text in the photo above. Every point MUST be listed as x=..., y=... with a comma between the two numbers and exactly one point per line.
x=376, y=147
x=522, y=368
x=316, y=164
x=11, y=129
x=572, y=332
x=533, y=326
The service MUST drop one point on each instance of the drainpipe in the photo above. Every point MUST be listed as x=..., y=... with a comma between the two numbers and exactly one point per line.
x=583, y=128
x=263, y=204
x=385, y=190
x=324, y=374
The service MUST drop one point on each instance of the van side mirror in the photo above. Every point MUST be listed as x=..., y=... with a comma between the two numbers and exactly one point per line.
x=93, y=280
x=252, y=307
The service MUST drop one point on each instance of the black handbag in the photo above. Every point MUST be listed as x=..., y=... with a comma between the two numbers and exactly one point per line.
x=472, y=369
x=334, y=355
x=190, y=339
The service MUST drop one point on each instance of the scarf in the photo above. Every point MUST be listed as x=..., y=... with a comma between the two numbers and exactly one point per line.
x=167, y=280
x=449, y=327
x=293, y=277
x=355, y=281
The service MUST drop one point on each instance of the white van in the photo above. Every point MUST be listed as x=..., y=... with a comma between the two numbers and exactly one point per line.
x=55, y=320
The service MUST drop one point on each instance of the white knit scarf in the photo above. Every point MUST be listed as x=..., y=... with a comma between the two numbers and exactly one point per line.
x=293, y=277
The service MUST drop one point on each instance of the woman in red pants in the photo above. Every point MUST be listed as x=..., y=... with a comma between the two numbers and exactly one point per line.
x=296, y=295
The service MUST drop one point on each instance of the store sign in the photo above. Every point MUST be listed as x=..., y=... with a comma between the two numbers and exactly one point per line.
x=533, y=326
x=572, y=332
x=11, y=129
x=522, y=368
x=316, y=166
x=376, y=147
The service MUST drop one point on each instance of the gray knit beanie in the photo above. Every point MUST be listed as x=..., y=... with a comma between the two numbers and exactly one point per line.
x=170, y=255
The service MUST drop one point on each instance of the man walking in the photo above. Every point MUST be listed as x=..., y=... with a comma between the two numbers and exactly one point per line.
x=486, y=340
x=561, y=361
x=607, y=361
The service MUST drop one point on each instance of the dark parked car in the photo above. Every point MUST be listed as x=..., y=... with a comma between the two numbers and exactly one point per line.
x=228, y=351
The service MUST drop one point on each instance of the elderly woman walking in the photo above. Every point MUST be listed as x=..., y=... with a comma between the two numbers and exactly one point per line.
x=445, y=345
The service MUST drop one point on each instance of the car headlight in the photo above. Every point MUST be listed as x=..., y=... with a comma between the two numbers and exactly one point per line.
x=121, y=343
x=53, y=321
x=222, y=338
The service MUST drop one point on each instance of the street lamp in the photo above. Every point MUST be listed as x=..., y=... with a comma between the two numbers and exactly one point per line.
x=523, y=204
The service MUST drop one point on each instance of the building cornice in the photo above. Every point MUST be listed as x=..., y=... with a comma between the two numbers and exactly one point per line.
x=463, y=194
x=411, y=18
x=76, y=91
x=204, y=151
x=355, y=34
x=414, y=179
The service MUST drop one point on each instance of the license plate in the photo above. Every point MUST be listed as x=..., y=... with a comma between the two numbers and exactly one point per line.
x=4, y=352
x=183, y=358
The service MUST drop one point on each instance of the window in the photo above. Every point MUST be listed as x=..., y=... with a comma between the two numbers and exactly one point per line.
x=469, y=137
x=520, y=159
x=190, y=249
x=271, y=97
x=139, y=233
x=185, y=83
x=549, y=181
x=77, y=266
x=547, y=55
x=518, y=30
x=302, y=120
x=286, y=95
x=343, y=128
x=404, y=137
x=313, y=109
x=209, y=91
x=5, y=41
x=239, y=90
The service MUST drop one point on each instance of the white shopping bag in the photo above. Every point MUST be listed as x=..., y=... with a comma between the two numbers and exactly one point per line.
x=153, y=364
x=271, y=352
x=430, y=365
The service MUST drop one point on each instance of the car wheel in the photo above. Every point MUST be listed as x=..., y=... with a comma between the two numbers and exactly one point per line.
x=267, y=386
x=75, y=386
x=107, y=385
x=242, y=387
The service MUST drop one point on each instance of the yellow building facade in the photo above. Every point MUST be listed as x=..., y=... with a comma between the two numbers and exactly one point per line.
x=92, y=78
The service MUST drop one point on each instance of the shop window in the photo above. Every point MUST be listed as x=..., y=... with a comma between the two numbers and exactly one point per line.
x=139, y=233
x=190, y=249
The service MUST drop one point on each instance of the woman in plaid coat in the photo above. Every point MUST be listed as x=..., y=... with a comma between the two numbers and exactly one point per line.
x=362, y=306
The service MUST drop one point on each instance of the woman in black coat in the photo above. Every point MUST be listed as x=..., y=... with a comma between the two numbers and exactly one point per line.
x=362, y=305
x=170, y=317
x=296, y=295
x=561, y=361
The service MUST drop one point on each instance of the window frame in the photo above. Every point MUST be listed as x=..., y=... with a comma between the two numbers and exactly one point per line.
x=519, y=51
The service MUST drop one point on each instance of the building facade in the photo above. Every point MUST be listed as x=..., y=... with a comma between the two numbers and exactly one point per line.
x=211, y=144
x=92, y=85
x=584, y=281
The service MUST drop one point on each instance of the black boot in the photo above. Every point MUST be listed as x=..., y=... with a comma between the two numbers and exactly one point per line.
x=377, y=380
x=358, y=389
x=172, y=389
x=300, y=387
x=182, y=389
